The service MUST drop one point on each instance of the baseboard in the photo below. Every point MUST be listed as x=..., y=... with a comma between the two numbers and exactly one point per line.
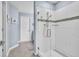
x=12, y=49
x=62, y=52
x=24, y=41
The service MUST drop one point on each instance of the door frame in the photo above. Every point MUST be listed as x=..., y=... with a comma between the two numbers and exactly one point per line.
x=23, y=14
x=4, y=18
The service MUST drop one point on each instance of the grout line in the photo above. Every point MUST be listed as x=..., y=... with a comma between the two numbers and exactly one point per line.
x=60, y=20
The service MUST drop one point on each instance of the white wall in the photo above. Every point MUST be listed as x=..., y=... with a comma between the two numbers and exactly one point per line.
x=24, y=6
x=43, y=8
x=67, y=37
x=62, y=4
x=12, y=27
x=67, y=11
x=67, y=34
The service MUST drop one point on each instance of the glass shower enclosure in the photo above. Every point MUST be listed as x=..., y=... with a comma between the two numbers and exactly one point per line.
x=45, y=36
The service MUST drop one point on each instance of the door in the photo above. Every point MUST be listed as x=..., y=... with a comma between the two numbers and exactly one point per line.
x=25, y=28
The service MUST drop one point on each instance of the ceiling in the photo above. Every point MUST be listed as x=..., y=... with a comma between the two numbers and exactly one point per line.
x=23, y=6
x=27, y=6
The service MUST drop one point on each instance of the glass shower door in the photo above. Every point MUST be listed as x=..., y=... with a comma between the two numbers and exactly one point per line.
x=44, y=41
x=44, y=32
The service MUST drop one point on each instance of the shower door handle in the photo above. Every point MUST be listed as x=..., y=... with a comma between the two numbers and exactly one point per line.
x=48, y=32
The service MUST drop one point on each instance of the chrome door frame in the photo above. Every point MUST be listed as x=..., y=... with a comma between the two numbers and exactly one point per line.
x=4, y=18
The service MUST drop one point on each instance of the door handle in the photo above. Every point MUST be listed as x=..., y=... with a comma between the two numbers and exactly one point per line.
x=48, y=32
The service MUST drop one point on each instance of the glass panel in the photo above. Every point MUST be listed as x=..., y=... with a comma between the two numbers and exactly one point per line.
x=44, y=41
x=44, y=30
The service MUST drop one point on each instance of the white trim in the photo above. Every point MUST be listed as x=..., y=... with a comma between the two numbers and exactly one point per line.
x=24, y=41
x=12, y=49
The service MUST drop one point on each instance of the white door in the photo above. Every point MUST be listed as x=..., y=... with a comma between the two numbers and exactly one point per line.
x=0, y=28
x=25, y=28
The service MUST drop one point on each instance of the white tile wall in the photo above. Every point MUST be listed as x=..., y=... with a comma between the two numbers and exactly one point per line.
x=67, y=33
